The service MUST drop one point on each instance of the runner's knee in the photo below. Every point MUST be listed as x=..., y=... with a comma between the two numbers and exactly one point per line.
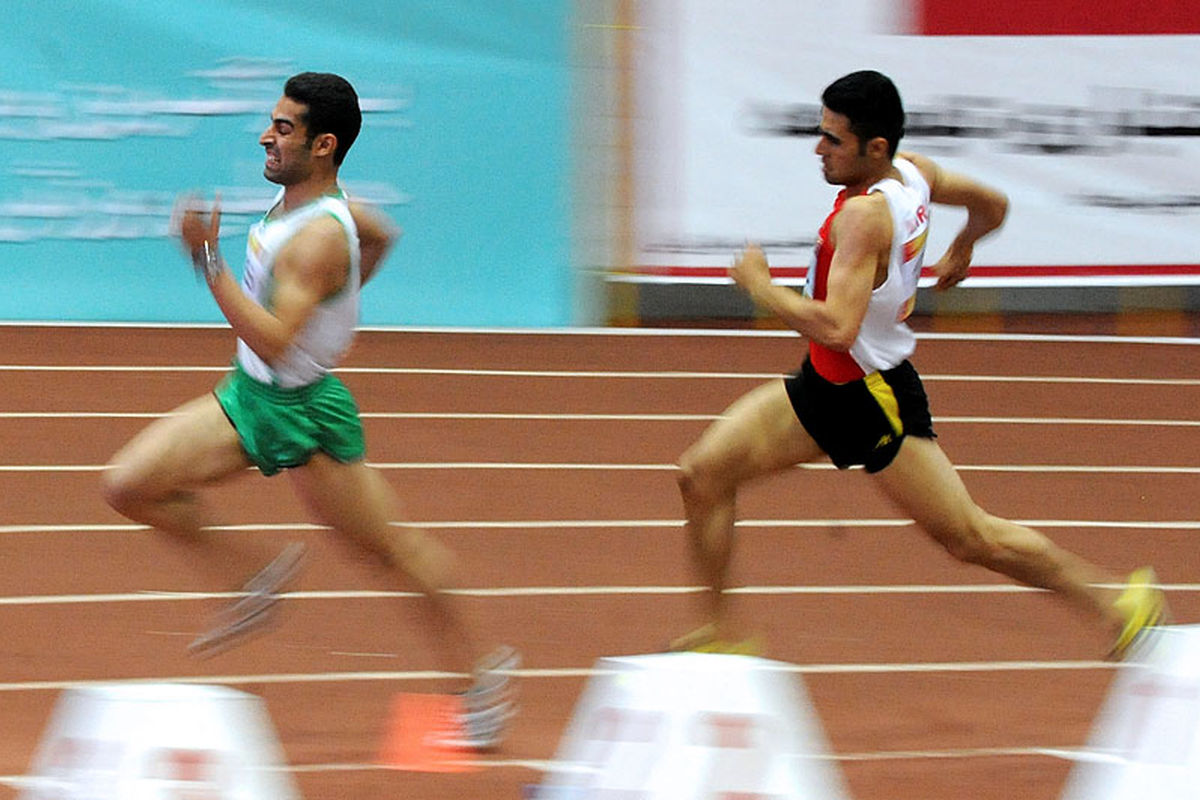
x=699, y=480
x=991, y=542
x=120, y=489
x=978, y=540
x=969, y=548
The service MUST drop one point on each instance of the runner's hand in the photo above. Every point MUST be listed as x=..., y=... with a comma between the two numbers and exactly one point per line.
x=953, y=267
x=750, y=269
x=189, y=223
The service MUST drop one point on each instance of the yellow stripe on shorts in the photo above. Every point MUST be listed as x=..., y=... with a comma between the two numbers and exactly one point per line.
x=886, y=399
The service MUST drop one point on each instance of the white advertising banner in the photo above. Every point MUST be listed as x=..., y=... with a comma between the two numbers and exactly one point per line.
x=1095, y=139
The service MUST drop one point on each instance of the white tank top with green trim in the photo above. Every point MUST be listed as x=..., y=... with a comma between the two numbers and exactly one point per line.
x=325, y=337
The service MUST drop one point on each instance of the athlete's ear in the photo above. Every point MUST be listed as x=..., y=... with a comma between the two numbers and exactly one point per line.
x=878, y=148
x=324, y=145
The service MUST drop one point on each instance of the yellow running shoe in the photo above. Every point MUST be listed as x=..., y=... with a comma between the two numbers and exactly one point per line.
x=746, y=647
x=1143, y=605
x=705, y=640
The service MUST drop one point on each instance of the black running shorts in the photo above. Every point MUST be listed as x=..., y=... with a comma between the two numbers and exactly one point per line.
x=864, y=421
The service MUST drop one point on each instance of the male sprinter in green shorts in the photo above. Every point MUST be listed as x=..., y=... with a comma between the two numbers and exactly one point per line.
x=281, y=408
x=857, y=399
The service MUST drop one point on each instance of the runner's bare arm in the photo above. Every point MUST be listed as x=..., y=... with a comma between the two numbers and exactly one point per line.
x=310, y=268
x=986, y=209
x=199, y=231
x=376, y=236
x=861, y=235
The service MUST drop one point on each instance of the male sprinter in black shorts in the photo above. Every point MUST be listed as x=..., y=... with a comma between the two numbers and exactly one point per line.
x=857, y=399
x=281, y=408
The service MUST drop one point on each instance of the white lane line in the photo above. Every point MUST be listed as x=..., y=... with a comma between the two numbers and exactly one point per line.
x=402, y=415
x=1067, y=379
x=600, y=374
x=820, y=466
x=111, y=368
x=554, y=591
x=1065, y=421
x=82, y=415
x=591, y=524
x=440, y=371
x=614, y=467
x=629, y=332
x=542, y=765
x=1066, y=753
x=559, y=673
x=949, y=336
x=584, y=417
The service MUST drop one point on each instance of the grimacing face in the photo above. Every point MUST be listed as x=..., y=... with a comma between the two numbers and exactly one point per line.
x=288, y=151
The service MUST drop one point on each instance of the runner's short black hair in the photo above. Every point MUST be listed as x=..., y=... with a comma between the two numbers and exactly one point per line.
x=872, y=103
x=332, y=108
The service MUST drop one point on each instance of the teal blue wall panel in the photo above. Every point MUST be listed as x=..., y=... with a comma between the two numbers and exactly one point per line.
x=108, y=110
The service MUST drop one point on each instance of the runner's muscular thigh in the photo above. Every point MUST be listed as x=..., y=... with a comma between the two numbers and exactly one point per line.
x=756, y=435
x=192, y=445
x=923, y=482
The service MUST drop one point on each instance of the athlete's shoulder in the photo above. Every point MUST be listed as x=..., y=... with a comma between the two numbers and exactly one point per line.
x=866, y=218
x=926, y=166
x=862, y=208
x=334, y=206
x=321, y=243
x=325, y=225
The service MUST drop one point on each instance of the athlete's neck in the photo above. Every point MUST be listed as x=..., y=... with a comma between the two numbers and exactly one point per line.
x=301, y=194
x=860, y=186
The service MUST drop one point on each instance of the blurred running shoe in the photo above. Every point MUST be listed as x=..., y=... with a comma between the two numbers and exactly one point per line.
x=254, y=613
x=705, y=639
x=1143, y=605
x=489, y=705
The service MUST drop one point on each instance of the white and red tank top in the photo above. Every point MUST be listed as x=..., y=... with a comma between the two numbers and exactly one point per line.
x=884, y=339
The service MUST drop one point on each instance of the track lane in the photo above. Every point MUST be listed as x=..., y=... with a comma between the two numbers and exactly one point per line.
x=333, y=728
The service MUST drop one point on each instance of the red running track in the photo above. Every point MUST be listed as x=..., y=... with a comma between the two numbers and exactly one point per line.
x=504, y=444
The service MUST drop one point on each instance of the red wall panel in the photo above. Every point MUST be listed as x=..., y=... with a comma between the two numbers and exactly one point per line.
x=1056, y=17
